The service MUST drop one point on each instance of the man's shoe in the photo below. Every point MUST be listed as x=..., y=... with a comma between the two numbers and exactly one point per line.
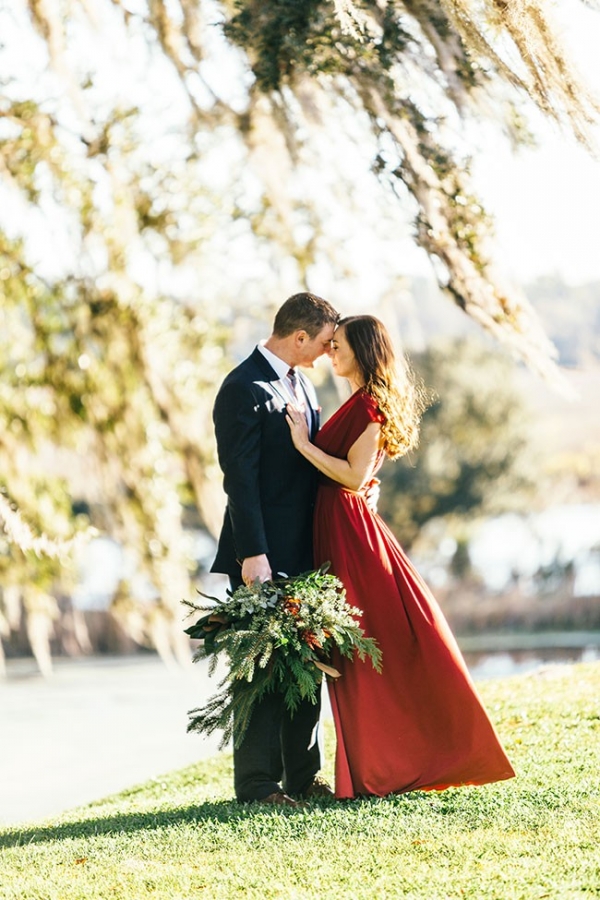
x=318, y=788
x=279, y=798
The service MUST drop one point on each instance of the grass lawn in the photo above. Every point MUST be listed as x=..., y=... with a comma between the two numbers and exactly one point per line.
x=181, y=836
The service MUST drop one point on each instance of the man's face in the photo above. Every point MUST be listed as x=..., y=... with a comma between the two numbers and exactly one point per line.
x=311, y=348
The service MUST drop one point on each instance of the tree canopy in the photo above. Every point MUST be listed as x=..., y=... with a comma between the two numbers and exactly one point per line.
x=146, y=146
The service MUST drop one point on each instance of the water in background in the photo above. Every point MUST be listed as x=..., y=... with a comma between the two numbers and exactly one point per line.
x=514, y=545
x=503, y=663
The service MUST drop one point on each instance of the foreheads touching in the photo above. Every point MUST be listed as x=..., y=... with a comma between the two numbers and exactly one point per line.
x=304, y=312
x=303, y=329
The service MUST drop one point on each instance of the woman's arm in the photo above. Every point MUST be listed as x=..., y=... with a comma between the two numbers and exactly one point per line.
x=354, y=471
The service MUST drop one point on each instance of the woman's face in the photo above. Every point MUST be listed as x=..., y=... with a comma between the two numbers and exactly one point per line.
x=343, y=359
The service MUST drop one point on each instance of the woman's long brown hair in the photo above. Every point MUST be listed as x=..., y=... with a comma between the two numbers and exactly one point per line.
x=401, y=398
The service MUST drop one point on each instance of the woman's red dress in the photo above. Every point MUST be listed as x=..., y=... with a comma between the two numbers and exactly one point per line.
x=420, y=724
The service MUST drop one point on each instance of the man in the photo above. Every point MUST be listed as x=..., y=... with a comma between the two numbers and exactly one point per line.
x=267, y=527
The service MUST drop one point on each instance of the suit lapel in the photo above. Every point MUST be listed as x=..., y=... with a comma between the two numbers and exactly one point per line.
x=311, y=398
x=269, y=374
x=266, y=369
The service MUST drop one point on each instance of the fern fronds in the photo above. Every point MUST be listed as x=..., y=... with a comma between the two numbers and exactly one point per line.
x=275, y=635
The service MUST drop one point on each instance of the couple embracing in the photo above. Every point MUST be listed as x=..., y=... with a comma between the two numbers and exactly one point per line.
x=298, y=496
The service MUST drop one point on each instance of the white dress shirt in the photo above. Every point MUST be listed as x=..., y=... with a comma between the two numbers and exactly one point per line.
x=298, y=397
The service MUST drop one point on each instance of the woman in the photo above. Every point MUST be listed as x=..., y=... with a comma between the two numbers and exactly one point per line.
x=420, y=723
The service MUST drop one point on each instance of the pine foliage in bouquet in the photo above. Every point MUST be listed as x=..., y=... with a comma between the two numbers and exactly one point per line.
x=278, y=636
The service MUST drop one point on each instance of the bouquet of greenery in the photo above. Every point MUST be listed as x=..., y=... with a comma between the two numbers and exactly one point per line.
x=278, y=636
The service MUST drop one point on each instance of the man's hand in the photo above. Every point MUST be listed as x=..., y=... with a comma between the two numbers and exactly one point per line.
x=371, y=491
x=254, y=567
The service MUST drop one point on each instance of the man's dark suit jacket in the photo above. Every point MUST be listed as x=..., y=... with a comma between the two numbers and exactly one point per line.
x=270, y=487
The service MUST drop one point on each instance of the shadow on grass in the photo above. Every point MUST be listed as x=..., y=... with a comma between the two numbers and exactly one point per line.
x=468, y=809
x=219, y=811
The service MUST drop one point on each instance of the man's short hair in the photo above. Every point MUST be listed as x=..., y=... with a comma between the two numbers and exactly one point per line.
x=305, y=312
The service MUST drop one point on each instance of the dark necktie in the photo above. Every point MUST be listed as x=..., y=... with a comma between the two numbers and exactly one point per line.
x=292, y=377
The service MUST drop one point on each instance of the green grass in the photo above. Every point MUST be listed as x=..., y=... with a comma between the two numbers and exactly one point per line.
x=181, y=836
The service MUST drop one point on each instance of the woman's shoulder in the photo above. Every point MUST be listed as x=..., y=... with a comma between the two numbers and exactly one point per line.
x=368, y=406
x=358, y=411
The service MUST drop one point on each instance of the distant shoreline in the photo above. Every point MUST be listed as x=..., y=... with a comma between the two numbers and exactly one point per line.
x=538, y=640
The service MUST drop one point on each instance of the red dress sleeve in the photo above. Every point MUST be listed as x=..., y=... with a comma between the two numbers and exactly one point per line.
x=347, y=424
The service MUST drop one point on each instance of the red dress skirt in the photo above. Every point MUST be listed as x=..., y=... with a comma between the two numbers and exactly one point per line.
x=420, y=724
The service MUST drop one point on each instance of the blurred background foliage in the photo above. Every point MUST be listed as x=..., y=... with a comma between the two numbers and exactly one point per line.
x=169, y=173
x=474, y=458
